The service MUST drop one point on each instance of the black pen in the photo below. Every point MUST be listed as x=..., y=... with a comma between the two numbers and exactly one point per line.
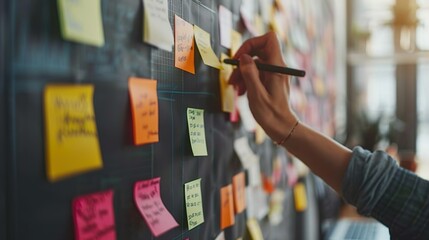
x=271, y=68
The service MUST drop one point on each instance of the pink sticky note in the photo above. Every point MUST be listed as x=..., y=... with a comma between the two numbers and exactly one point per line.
x=93, y=216
x=292, y=175
x=148, y=200
x=234, y=115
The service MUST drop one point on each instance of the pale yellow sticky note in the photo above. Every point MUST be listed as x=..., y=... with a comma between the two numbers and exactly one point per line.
x=194, y=203
x=157, y=29
x=236, y=41
x=300, y=196
x=197, y=134
x=260, y=134
x=81, y=21
x=202, y=38
x=254, y=229
x=226, y=90
x=71, y=134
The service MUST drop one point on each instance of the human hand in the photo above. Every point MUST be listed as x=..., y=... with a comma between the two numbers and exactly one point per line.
x=268, y=93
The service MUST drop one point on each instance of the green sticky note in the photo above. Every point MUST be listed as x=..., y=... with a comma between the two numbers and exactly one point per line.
x=80, y=21
x=197, y=134
x=194, y=204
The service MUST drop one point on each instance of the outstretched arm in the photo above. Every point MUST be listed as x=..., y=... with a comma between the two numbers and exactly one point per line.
x=268, y=95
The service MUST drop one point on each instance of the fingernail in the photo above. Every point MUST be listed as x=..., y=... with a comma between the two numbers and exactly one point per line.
x=245, y=59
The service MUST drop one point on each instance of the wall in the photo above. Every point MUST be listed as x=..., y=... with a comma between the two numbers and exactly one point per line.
x=39, y=56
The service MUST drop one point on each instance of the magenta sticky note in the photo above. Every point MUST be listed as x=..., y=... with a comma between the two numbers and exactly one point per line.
x=148, y=200
x=94, y=217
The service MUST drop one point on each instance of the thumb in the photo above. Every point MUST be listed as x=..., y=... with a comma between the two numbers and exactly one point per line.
x=250, y=75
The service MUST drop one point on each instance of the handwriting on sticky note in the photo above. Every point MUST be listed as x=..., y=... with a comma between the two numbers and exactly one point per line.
x=197, y=134
x=157, y=28
x=300, y=197
x=184, y=47
x=226, y=90
x=148, y=200
x=72, y=145
x=202, y=38
x=81, y=21
x=194, y=204
x=239, y=186
x=227, y=207
x=225, y=25
x=93, y=216
x=144, y=108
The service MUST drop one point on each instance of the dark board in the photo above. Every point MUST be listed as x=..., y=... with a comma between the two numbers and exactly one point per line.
x=3, y=148
x=38, y=209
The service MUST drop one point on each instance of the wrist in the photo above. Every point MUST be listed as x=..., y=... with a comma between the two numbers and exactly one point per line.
x=284, y=126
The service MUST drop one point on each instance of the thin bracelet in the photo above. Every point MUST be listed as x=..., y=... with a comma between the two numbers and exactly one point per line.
x=283, y=140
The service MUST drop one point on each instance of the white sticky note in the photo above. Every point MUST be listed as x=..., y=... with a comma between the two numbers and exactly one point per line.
x=225, y=25
x=246, y=115
x=157, y=30
x=257, y=204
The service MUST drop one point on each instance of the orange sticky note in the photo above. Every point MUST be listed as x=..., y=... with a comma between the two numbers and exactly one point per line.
x=300, y=197
x=144, y=108
x=239, y=184
x=227, y=207
x=184, y=45
x=93, y=216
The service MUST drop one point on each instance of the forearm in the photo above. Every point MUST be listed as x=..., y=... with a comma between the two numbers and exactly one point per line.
x=325, y=157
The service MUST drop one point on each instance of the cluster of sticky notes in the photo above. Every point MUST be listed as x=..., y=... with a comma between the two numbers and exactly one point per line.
x=144, y=108
x=197, y=134
x=148, y=200
x=81, y=21
x=194, y=204
x=93, y=216
x=72, y=145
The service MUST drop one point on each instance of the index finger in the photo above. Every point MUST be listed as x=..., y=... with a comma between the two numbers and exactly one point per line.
x=266, y=47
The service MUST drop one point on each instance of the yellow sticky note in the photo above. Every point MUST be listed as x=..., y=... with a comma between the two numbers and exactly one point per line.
x=226, y=90
x=239, y=185
x=71, y=134
x=144, y=108
x=184, y=47
x=81, y=21
x=202, y=38
x=157, y=29
x=197, y=134
x=254, y=229
x=300, y=197
x=236, y=41
x=227, y=207
x=194, y=203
